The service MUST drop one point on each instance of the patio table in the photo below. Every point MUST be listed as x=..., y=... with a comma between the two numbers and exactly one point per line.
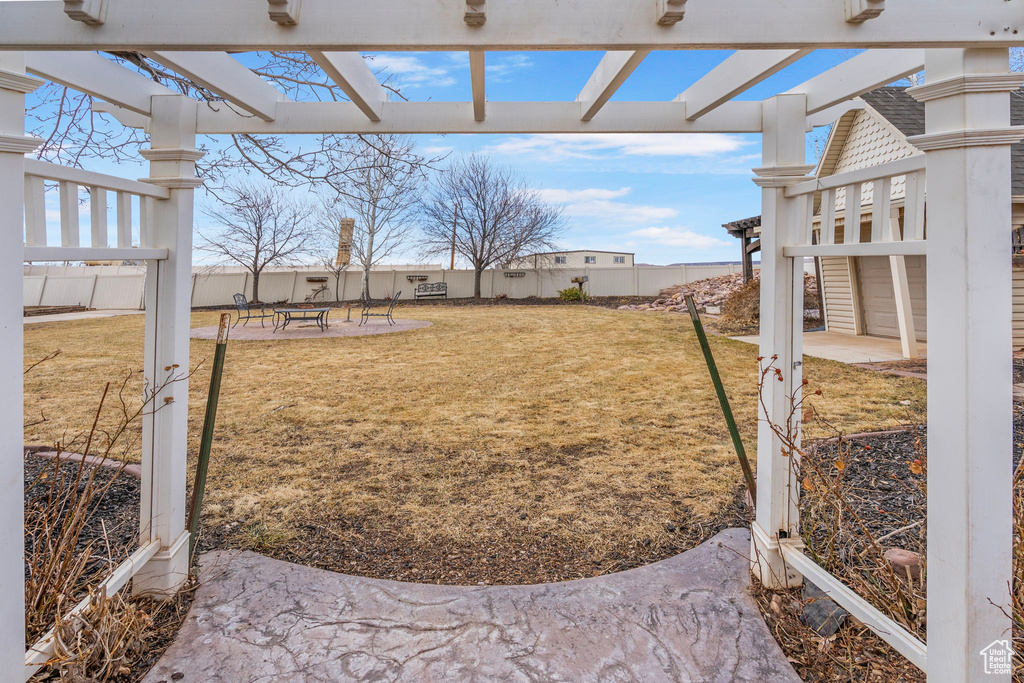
x=283, y=316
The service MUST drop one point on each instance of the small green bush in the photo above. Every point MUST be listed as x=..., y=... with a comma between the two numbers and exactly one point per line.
x=572, y=294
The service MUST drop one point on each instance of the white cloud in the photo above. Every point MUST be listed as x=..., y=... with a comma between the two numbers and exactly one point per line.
x=678, y=237
x=411, y=71
x=597, y=145
x=504, y=65
x=565, y=196
x=597, y=202
x=435, y=70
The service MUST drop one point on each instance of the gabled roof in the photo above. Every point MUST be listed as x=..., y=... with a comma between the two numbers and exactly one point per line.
x=906, y=115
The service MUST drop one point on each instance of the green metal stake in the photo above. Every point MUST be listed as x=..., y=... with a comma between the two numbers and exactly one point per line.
x=716, y=379
x=206, y=443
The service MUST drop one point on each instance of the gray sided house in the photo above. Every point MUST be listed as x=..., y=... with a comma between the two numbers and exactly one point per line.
x=859, y=294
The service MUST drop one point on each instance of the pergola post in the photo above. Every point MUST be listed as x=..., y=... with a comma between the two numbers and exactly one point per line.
x=14, y=144
x=172, y=156
x=970, y=421
x=782, y=303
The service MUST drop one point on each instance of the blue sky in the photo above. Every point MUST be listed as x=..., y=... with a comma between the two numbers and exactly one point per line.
x=663, y=197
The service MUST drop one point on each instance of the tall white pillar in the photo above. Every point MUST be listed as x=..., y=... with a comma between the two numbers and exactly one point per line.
x=970, y=421
x=14, y=144
x=172, y=156
x=782, y=303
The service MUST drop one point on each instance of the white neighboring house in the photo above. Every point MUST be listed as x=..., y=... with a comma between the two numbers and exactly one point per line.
x=579, y=258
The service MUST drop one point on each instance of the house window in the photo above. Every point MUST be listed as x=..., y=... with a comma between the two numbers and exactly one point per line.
x=590, y=259
x=620, y=259
x=559, y=260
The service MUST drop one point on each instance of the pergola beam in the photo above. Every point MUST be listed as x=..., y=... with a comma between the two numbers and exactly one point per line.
x=522, y=25
x=225, y=76
x=502, y=117
x=858, y=75
x=610, y=74
x=738, y=73
x=95, y=75
x=355, y=78
x=478, y=75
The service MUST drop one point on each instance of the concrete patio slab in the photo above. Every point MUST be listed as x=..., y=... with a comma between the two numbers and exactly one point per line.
x=253, y=331
x=688, y=618
x=848, y=348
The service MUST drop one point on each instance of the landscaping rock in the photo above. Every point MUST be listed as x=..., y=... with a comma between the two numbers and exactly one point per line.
x=821, y=613
x=903, y=561
x=710, y=295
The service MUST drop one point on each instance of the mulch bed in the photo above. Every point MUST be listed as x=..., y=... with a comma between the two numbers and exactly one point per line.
x=888, y=496
x=113, y=528
x=115, y=517
x=352, y=547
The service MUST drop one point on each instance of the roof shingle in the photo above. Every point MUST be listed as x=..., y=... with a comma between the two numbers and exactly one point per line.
x=907, y=114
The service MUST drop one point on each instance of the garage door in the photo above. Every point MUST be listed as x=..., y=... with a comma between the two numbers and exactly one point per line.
x=878, y=299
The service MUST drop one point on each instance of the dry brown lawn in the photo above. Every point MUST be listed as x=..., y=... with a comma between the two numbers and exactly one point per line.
x=502, y=444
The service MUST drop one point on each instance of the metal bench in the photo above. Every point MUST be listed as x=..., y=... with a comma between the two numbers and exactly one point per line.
x=246, y=312
x=370, y=304
x=428, y=289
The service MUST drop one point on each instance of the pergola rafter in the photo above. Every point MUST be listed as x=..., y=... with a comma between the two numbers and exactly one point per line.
x=355, y=78
x=478, y=77
x=225, y=76
x=708, y=106
x=858, y=75
x=966, y=158
x=737, y=74
x=95, y=75
x=610, y=74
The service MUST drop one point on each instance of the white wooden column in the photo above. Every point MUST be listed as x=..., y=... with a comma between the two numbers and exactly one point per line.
x=14, y=144
x=782, y=303
x=970, y=421
x=172, y=156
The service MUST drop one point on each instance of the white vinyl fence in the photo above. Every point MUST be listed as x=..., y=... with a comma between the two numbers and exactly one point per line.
x=108, y=287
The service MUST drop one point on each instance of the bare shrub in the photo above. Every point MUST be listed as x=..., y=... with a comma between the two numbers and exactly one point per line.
x=840, y=534
x=62, y=565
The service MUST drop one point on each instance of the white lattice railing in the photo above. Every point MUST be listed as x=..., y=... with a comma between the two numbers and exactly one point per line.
x=887, y=239
x=69, y=180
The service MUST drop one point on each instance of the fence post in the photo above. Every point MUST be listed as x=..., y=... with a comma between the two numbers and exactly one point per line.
x=92, y=290
x=14, y=144
x=172, y=156
x=970, y=310
x=781, y=344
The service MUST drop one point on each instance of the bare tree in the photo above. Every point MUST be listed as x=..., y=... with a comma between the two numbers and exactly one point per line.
x=72, y=132
x=381, y=192
x=259, y=226
x=489, y=215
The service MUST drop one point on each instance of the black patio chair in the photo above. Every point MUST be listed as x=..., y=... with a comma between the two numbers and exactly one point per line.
x=371, y=304
x=247, y=313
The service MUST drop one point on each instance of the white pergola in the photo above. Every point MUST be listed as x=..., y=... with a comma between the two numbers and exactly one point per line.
x=962, y=45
